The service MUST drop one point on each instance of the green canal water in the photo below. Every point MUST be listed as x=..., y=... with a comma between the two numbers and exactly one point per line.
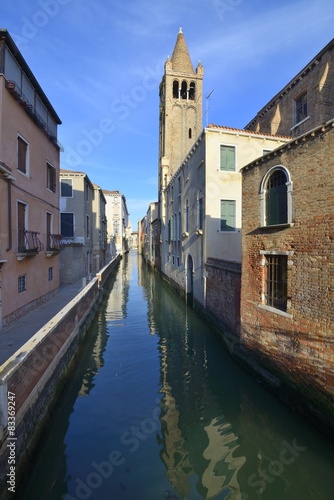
x=156, y=409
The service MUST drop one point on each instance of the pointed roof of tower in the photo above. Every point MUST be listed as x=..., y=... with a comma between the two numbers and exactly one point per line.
x=180, y=58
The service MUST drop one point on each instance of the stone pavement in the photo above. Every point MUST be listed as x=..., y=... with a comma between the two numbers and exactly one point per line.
x=15, y=335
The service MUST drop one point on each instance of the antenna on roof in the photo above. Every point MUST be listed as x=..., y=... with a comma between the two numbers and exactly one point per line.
x=207, y=106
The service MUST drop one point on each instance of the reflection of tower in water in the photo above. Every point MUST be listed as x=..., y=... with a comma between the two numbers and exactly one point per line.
x=198, y=443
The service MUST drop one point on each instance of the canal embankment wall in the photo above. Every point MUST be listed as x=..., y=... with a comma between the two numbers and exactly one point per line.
x=32, y=379
x=271, y=367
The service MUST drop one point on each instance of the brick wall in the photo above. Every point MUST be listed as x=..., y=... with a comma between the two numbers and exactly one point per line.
x=223, y=283
x=317, y=79
x=298, y=346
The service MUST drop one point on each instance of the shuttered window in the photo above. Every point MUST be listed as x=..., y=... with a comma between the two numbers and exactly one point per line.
x=276, y=199
x=22, y=155
x=227, y=215
x=227, y=158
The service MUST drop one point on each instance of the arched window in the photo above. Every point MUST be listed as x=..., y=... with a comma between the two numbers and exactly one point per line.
x=184, y=89
x=175, y=89
x=276, y=197
x=192, y=91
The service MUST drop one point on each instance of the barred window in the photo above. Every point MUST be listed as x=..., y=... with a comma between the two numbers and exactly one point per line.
x=22, y=283
x=276, y=282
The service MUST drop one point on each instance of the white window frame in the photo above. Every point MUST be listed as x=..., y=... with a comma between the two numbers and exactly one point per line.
x=235, y=157
x=27, y=172
x=263, y=193
x=236, y=215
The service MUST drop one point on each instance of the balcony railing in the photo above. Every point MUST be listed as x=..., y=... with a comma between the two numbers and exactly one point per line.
x=53, y=244
x=29, y=243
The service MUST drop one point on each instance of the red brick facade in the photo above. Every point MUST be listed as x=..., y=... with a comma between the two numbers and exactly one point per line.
x=223, y=281
x=296, y=345
x=316, y=82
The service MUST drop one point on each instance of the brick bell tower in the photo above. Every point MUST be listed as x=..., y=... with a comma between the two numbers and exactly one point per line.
x=181, y=105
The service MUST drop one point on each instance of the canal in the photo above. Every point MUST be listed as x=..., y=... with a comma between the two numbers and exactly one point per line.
x=156, y=409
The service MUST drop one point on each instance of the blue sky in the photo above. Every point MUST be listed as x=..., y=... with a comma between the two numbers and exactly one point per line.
x=100, y=63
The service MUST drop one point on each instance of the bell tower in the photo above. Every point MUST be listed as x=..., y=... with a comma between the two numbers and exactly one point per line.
x=181, y=104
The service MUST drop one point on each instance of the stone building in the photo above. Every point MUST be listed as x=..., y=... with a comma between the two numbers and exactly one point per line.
x=287, y=295
x=304, y=103
x=201, y=242
x=101, y=254
x=150, y=236
x=118, y=224
x=29, y=188
x=76, y=226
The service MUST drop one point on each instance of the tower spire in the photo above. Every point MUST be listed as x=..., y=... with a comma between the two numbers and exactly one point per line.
x=180, y=58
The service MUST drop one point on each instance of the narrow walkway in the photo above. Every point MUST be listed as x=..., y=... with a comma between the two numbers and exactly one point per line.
x=14, y=336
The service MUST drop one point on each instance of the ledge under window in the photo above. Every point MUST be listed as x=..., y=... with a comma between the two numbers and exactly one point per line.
x=278, y=226
x=275, y=311
x=300, y=123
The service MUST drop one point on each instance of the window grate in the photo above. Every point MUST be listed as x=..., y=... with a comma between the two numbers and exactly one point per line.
x=277, y=281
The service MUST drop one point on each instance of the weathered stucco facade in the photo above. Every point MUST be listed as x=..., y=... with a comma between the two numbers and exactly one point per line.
x=29, y=188
x=287, y=295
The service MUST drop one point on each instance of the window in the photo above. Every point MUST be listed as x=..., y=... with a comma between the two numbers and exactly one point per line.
x=172, y=228
x=276, y=282
x=189, y=133
x=48, y=230
x=187, y=216
x=227, y=215
x=22, y=155
x=301, y=108
x=175, y=89
x=22, y=283
x=50, y=273
x=66, y=190
x=276, y=199
x=184, y=92
x=227, y=158
x=50, y=177
x=200, y=213
x=67, y=225
x=21, y=226
x=87, y=227
x=192, y=91
x=179, y=236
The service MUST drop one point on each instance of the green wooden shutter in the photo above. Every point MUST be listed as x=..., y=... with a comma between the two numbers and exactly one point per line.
x=227, y=215
x=227, y=158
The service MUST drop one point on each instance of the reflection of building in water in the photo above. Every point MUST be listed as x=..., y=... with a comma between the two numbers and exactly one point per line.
x=96, y=358
x=219, y=452
x=198, y=444
x=118, y=299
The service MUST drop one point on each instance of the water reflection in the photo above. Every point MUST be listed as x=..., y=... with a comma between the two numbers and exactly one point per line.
x=223, y=435
x=155, y=388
